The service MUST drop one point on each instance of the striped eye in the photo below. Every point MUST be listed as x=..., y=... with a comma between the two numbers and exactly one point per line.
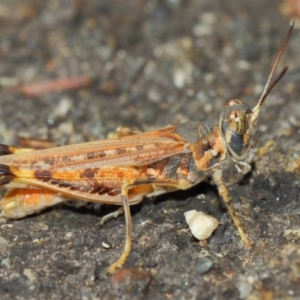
x=237, y=122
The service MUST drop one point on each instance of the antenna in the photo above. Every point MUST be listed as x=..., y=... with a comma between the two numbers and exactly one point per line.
x=269, y=86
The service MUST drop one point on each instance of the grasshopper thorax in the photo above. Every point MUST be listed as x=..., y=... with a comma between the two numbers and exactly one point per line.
x=238, y=130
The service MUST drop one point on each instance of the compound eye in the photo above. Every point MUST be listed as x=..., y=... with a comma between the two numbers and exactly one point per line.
x=237, y=122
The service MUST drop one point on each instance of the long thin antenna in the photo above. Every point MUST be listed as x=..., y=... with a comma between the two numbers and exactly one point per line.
x=269, y=86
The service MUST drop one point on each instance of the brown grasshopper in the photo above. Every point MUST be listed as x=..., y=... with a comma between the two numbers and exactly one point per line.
x=125, y=169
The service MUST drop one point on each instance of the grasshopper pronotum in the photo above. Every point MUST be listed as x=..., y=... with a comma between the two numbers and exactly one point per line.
x=125, y=169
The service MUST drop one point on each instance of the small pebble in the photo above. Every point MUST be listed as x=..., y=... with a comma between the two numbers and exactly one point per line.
x=201, y=225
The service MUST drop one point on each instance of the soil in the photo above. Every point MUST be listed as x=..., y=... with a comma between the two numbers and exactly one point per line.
x=153, y=63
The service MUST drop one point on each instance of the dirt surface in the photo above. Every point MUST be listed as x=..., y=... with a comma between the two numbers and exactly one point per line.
x=153, y=63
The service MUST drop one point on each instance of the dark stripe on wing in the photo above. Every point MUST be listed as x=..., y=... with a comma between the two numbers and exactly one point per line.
x=6, y=176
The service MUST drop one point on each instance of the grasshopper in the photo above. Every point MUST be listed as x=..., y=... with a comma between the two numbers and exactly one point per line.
x=123, y=170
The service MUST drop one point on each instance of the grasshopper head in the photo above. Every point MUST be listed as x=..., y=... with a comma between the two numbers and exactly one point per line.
x=239, y=130
x=238, y=122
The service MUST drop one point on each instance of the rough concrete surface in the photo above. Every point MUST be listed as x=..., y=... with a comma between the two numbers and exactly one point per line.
x=153, y=63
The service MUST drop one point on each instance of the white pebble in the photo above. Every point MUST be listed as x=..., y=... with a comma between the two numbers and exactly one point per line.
x=201, y=225
x=69, y=235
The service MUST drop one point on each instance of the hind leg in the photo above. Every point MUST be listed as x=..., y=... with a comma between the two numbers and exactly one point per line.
x=21, y=202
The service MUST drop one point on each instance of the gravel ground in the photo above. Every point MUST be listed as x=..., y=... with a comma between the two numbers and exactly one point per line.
x=152, y=63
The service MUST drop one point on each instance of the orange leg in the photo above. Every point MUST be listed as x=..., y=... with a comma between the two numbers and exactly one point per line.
x=21, y=202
